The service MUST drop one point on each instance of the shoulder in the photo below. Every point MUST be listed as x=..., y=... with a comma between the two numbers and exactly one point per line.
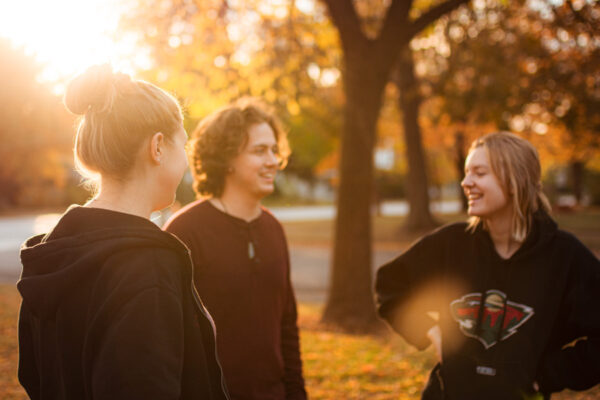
x=453, y=232
x=268, y=216
x=270, y=221
x=440, y=242
x=436, y=244
x=144, y=267
x=452, y=229
x=186, y=216
x=567, y=238
x=568, y=242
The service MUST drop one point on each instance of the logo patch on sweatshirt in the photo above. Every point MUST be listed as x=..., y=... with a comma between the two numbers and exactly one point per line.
x=501, y=318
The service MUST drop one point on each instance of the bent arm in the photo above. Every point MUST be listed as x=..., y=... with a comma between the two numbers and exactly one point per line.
x=401, y=290
x=577, y=366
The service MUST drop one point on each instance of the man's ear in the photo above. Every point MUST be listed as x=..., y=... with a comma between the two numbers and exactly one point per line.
x=157, y=148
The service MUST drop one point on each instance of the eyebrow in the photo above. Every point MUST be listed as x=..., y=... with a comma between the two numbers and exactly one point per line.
x=263, y=145
x=477, y=167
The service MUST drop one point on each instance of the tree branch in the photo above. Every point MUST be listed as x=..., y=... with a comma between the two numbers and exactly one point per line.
x=577, y=15
x=396, y=19
x=344, y=16
x=433, y=14
x=223, y=9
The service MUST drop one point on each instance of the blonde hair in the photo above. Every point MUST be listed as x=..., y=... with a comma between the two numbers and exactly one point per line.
x=516, y=164
x=220, y=137
x=118, y=114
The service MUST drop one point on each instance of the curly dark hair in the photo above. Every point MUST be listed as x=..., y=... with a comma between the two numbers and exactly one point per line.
x=220, y=137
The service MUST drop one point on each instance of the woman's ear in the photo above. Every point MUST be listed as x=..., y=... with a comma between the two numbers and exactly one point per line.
x=157, y=148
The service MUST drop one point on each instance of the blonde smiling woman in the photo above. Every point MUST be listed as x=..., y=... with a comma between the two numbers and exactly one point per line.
x=509, y=288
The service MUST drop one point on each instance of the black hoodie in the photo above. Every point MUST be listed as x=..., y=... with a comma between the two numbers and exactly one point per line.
x=539, y=300
x=109, y=311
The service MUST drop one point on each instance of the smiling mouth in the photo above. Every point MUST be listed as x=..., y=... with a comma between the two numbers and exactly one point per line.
x=269, y=177
x=472, y=197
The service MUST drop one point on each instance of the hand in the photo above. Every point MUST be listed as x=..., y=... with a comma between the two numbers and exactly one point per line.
x=435, y=336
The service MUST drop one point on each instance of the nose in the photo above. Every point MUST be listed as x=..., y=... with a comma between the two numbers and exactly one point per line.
x=272, y=158
x=466, y=182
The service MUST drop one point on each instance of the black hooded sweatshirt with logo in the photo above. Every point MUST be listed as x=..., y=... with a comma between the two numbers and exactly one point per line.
x=109, y=311
x=540, y=321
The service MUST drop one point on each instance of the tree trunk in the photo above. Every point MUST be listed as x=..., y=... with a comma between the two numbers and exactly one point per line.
x=459, y=148
x=419, y=216
x=350, y=302
x=577, y=174
x=367, y=67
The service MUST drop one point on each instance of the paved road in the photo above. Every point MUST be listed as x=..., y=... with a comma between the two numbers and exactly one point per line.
x=310, y=265
x=13, y=232
x=311, y=268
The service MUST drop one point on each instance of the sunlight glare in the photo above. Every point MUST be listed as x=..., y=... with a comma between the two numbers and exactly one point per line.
x=45, y=222
x=67, y=36
x=306, y=6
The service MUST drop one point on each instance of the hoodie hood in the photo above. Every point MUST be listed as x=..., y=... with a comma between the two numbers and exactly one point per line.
x=81, y=242
x=543, y=230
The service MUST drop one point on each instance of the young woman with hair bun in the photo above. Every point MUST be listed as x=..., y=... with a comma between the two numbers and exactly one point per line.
x=109, y=309
x=516, y=298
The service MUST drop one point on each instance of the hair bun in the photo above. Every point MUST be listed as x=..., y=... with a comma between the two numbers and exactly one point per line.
x=92, y=89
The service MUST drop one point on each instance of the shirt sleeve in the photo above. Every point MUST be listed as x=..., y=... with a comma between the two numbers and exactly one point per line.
x=290, y=346
x=399, y=285
x=140, y=354
x=576, y=365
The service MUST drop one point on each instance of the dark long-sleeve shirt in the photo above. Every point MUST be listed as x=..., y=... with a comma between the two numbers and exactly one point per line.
x=242, y=274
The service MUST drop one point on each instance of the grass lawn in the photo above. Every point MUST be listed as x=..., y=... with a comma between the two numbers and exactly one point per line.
x=337, y=366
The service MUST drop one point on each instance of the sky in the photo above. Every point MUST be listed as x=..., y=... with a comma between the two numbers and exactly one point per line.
x=67, y=36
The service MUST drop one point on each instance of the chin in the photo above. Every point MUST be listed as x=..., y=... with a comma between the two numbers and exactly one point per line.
x=265, y=191
x=474, y=213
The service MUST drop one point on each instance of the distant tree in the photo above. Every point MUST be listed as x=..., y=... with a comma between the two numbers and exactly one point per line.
x=567, y=83
x=35, y=134
x=211, y=53
x=409, y=102
x=533, y=70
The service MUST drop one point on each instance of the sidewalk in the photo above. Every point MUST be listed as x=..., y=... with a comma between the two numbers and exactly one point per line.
x=310, y=265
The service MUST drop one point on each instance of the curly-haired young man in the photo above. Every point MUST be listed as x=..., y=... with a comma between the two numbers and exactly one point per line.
x=240, y=252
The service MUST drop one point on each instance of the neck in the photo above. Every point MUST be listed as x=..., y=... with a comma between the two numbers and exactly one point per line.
x=240, y=205
x=500, y=230
x=126, y=197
